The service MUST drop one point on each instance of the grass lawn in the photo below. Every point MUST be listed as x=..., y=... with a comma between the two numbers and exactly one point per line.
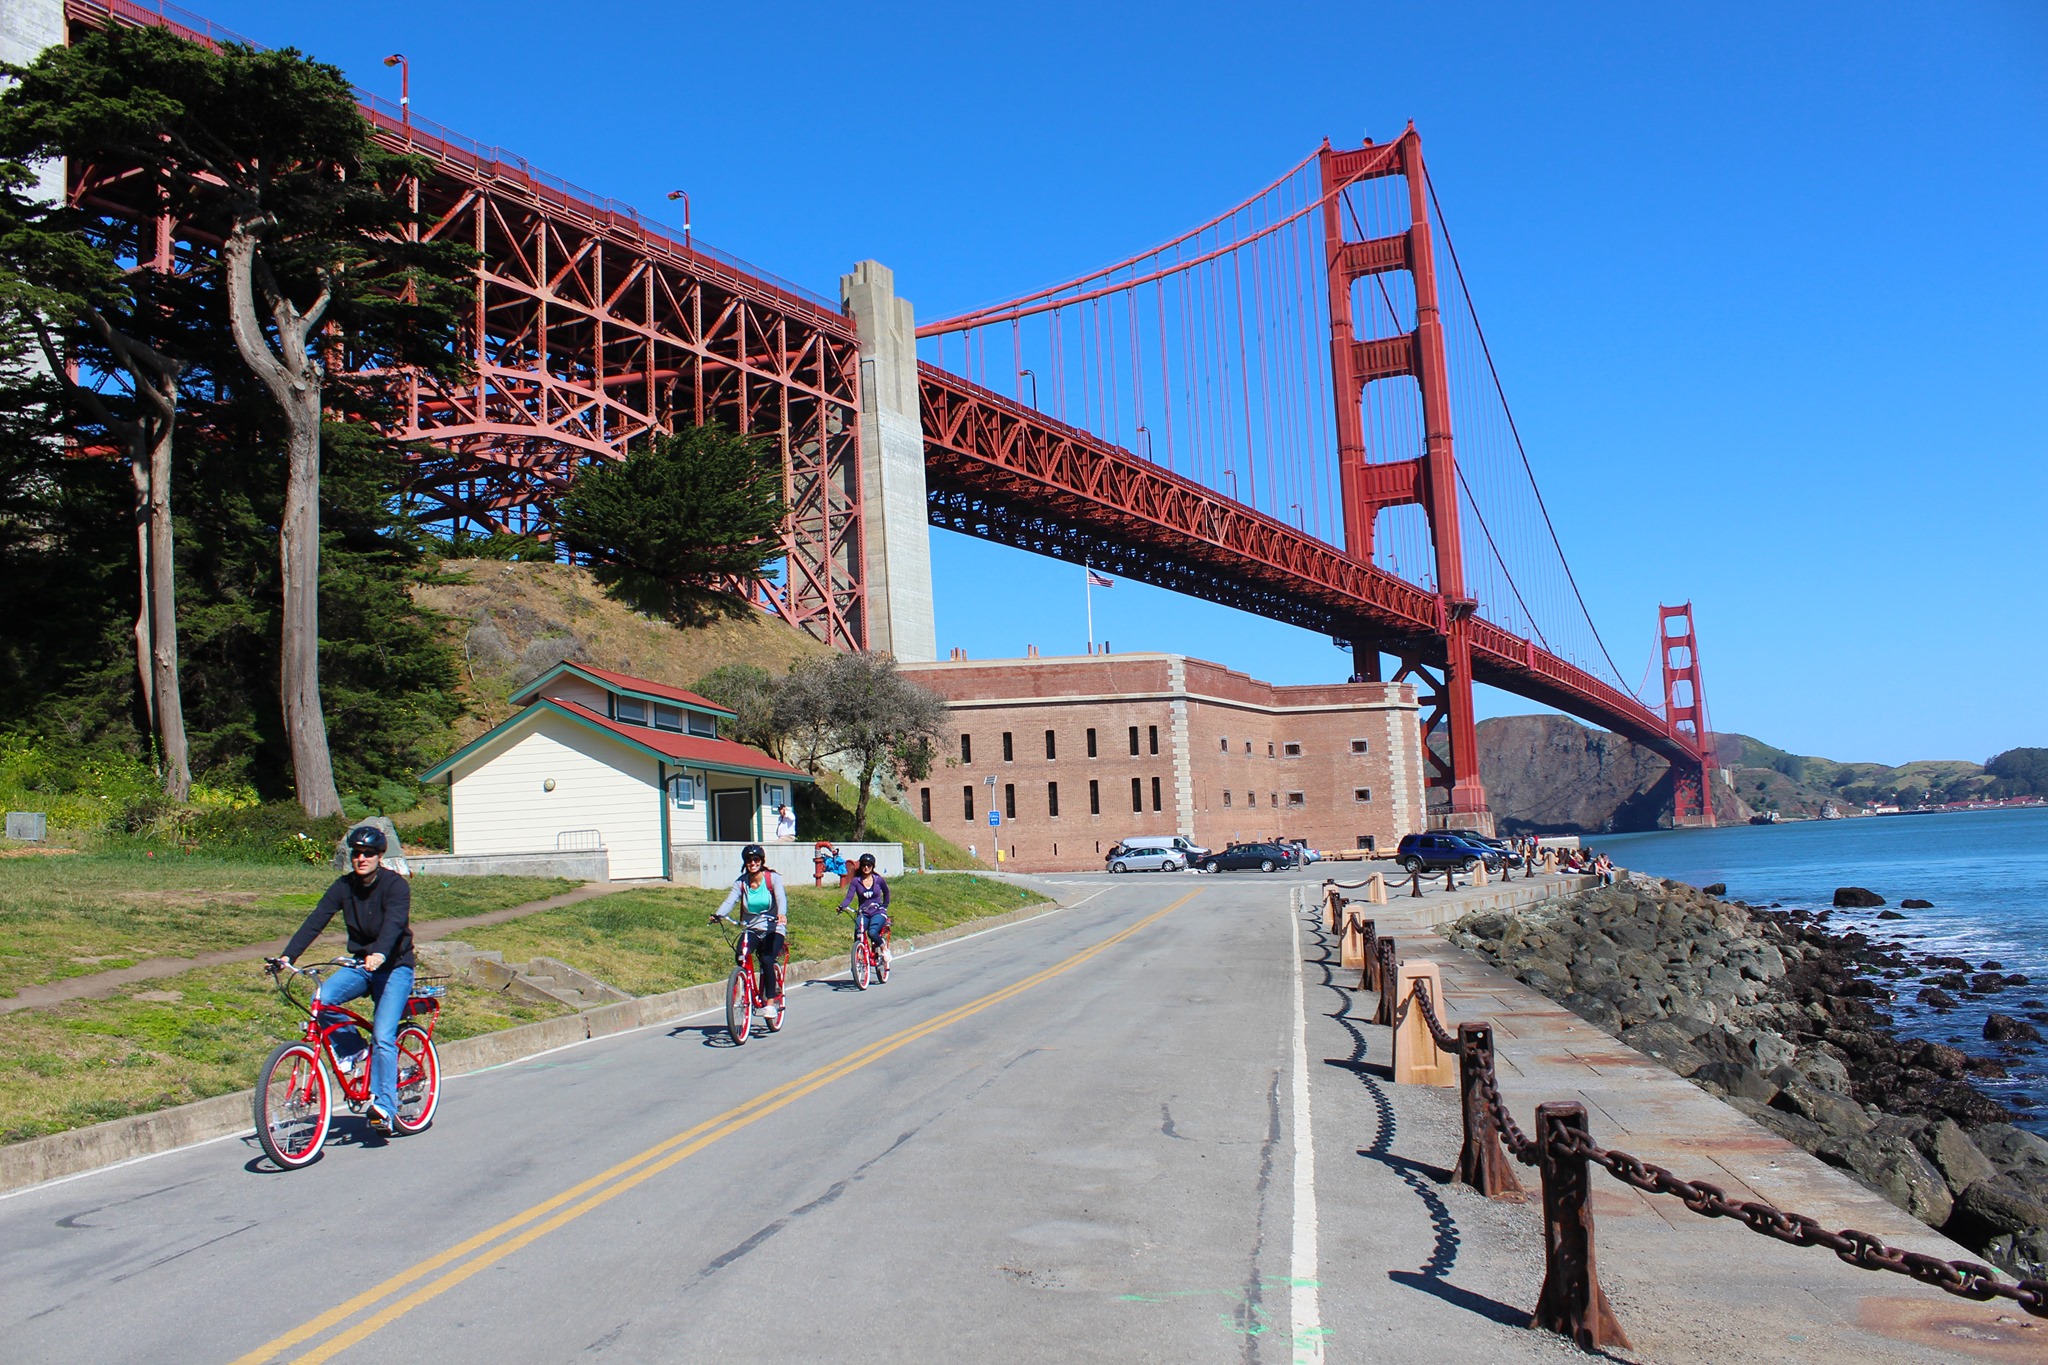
x=74, y=914
x=206, y=1032
x=162, y=1043
x=656, y=940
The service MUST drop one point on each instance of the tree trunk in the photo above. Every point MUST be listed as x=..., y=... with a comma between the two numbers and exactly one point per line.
x=860, y=808
x=292, y=376
x=145, y=673
x=163, y=601
x=299, y=657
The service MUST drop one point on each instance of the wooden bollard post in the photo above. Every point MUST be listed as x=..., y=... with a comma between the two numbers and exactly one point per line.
x=1415, y=882
x=1450, y=879
x=1351, y=948
x=1572, y=1302
x=1376, y=889
x=1368, y=955
x=1482, y=1162
x=1480, y=876
x=1389, y=973
x=1333, y=907
x=1417, y=1060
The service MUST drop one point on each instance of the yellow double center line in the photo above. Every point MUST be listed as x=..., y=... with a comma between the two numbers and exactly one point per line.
x=605, y=1186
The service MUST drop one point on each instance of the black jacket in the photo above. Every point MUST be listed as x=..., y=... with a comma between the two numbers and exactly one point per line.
x=379, y=920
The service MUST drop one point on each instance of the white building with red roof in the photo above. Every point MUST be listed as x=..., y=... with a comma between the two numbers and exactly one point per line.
x=602, y=760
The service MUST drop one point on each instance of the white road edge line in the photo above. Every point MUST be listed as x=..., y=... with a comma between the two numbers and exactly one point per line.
x=52, y=1183
x=1305, y=1312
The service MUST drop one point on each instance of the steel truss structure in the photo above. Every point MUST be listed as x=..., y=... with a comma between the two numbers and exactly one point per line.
x=591, y=330
x=1005, y=472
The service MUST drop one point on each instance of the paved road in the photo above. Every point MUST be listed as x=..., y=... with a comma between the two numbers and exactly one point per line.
x=1027, y=1144
x=1079, y=1137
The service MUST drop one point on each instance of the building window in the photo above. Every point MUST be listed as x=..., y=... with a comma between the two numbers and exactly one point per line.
x=1291, y=750
x=1052, y=799
x=1273, y=800
x=1008, y=755
x=1137, y=794
x=1251, y=798
x=1361, y=794
x=1247, y=747
x=667, y=718
x=966, y=751
x=1359, y=746
x=1155, y=793
x=1223, y=742
x=632, y=710
x=1269, y=748
x=1091, y=741
x=701, y=724
x=1094, y=797
x=1226, y=800
x=1365, y=842
x=967, y=803
x=1049, y=753
x=1134, y=741
x=682, y=791
x=924, y=804
x=1009, y=800
x=1152, y=737
x=1295, y=799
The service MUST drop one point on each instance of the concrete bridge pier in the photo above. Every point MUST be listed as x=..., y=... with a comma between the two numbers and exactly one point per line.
x=897, y=553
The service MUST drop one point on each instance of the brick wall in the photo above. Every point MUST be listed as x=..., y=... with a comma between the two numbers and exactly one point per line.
x=1192, y=721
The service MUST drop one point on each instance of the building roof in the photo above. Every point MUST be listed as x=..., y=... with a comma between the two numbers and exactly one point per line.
x=683, y=750
x=620, y=682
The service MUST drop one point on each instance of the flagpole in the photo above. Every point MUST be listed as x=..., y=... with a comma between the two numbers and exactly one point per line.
x=1088, y=592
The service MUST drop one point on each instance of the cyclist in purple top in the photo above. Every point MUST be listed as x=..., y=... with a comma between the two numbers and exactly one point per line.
x=870, y=893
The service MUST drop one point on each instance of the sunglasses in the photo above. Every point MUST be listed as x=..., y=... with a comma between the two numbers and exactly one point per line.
x=364, y=853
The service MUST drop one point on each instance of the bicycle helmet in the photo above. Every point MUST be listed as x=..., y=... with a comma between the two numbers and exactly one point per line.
x=752, y=852
x=366, y=839
x=867, y=862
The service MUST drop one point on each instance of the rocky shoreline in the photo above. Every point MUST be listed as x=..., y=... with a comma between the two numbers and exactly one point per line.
x=1782, y=1017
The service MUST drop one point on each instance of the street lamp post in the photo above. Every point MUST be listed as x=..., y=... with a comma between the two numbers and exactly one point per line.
x=398, y=60
x=684, y=195
x=1027, y=374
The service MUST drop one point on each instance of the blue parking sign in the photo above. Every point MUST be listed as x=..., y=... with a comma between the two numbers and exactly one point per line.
x=995, y=818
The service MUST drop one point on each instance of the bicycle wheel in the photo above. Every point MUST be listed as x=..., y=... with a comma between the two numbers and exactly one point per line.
x=860, y=962
x=881, y=951
x=419, y=1080
x=739, y=1006
x=292, y=1105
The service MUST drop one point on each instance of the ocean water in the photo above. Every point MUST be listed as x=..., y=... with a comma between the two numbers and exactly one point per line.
x=1985, y=871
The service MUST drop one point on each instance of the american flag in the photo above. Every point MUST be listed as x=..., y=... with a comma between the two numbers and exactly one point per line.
x=1096, y=580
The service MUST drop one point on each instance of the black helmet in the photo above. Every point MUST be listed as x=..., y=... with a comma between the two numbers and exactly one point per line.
x=366, y=839
x=867, y=861
x=751, y=852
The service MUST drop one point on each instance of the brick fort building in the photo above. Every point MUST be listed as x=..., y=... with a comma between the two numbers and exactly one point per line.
x=1086, y=750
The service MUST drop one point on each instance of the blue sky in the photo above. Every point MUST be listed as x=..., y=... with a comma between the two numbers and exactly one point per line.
x=1767, y=284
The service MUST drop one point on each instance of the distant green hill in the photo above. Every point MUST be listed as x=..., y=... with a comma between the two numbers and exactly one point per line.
x=1771, y=779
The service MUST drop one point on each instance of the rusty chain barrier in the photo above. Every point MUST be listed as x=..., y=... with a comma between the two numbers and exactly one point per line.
x=1571, y=1301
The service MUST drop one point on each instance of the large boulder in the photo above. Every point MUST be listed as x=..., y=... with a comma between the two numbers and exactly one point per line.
x=1991, y=1207
x=1668, y=1041
x=2003, y=1028
x=1838, y=1114
x=1889, y=1164
x=1957, y=1158
x=2022, y=1255
x=1857, y=898
x=1732, y=1079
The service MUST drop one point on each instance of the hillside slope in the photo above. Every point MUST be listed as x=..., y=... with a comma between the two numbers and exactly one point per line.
x=511, y=622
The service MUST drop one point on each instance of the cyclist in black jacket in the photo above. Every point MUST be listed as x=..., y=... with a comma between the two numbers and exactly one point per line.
x=376, y=906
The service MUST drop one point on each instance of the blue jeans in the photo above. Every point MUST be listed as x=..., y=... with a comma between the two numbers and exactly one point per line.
x=390, y=987
x=873, y=923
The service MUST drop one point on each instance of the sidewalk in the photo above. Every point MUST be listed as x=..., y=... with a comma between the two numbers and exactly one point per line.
x=1685, y=1287
x=100, y=984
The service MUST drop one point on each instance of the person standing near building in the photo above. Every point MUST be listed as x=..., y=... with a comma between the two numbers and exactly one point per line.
x=785, y=825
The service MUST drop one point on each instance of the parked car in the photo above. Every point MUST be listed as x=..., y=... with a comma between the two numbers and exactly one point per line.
x=1304, y=854
x=1240, y=857
x=1189, y=850
x=1434, y=852
x=1146, y=858
x=1500, y=846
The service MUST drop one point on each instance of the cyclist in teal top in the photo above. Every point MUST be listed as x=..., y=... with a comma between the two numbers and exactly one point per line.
x=764, y=920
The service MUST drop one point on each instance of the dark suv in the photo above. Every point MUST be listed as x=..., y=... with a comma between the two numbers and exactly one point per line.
x=1499, y=846
x=1433, y=852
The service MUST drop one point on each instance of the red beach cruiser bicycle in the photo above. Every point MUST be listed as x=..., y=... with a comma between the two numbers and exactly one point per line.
x=743, y=994
x=870, y=957
x=294, y=1095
